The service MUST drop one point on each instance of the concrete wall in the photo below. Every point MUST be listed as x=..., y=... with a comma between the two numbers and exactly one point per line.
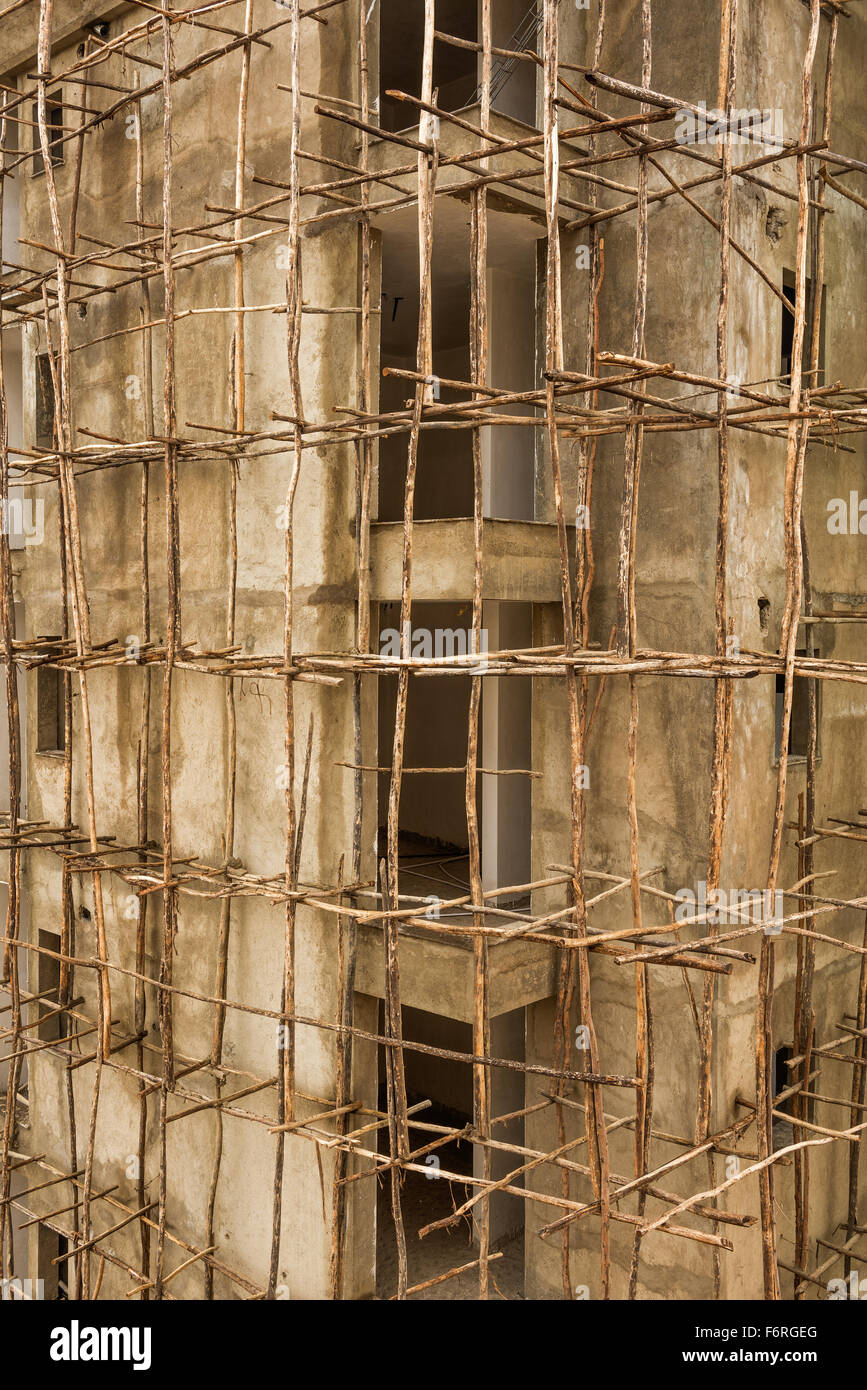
x=105, y=399
x=674, y=598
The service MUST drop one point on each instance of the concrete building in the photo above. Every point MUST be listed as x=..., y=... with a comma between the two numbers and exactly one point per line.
x=305, y=510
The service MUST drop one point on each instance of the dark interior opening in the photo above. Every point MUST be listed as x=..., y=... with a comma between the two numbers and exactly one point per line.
x=799, y=726
x=783, y=1076
x=54, y=121
x=55, y=1276
x=433, y=839
x=444, y=464
x=400, y=62
x=53, y=1025
x=444, y=469
x=439, y=1095
x=788, y=333
x=50, y=711
x=45, y=432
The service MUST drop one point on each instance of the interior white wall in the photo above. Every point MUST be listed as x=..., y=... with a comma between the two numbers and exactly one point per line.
x=506, y=743
x=508, y=451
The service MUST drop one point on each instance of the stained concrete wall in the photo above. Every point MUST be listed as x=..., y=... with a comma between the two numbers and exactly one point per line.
x=107, y=400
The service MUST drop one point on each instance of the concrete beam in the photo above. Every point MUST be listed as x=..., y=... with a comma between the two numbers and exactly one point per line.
x=520, y=561
x=437, y=976
x=384, y=155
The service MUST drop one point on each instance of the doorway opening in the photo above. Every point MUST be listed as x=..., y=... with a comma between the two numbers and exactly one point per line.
x=444, y=471
x=440, y=1097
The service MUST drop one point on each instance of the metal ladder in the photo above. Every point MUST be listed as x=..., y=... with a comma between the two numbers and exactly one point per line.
x=503, y=68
